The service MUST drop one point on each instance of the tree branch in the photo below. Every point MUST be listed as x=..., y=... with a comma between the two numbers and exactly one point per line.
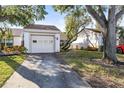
x=94, y=30
x=3, y=18
x=102, y=14
x=69, y=41
x=95, y=15
x=119, y=14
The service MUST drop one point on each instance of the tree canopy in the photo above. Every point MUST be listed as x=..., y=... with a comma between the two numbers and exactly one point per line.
x=21, y=15
x=75, y=21
x=107, y=18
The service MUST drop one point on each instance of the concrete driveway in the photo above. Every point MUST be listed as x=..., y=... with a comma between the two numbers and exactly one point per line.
x=45, y=71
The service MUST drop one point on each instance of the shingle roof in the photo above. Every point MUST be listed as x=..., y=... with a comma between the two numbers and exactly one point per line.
x=43, y=27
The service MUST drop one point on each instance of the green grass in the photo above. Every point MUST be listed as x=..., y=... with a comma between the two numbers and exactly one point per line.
x=86, y=54
x=8, y=64
x=79, y=61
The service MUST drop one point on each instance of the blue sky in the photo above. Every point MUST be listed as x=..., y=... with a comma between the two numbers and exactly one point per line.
x=57, y=19
x=53, y=18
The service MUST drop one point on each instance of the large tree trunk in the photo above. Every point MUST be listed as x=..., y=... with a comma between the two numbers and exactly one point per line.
x=108, y=27
x=109, y=50
x=110, y=38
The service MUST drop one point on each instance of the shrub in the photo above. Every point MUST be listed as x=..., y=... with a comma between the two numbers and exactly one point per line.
x=15, y=49
x=22, y=49
x=8, y=50
x=89, y=48
x=81, y=48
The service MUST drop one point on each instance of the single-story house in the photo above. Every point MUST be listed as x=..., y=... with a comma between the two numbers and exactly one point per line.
x=38, y=38
x=90, y=38
x=87, y=38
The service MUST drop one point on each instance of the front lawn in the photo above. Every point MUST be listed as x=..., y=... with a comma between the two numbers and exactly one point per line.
x=8, y=64
x=97, y=74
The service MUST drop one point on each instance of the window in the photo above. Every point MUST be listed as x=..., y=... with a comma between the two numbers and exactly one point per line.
x=9, y=42
x=34, y=41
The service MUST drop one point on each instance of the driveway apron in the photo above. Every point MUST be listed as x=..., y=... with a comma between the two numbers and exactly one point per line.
x=45, y=71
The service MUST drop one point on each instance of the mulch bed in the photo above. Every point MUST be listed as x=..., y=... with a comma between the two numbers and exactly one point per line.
x=2, y=54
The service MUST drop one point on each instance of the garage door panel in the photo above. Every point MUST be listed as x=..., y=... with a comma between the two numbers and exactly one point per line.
x=42, y=44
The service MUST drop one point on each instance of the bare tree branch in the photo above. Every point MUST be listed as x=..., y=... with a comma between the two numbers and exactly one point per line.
x=96, y=16
x=102, y=14
x=94, y=30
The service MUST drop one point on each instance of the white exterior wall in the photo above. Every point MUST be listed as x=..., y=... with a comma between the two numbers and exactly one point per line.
x=27, y=41
x=57, y=42
x=82, y=40
x=100, y=40
x=27, y=38
x=17, y=40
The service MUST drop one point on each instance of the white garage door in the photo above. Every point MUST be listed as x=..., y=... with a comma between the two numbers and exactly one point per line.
x=42, y=44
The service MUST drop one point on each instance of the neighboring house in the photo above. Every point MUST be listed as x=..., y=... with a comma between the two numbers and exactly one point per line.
x=37, y=38
x=87, y=38
x=17, y=36
x=93, y=39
